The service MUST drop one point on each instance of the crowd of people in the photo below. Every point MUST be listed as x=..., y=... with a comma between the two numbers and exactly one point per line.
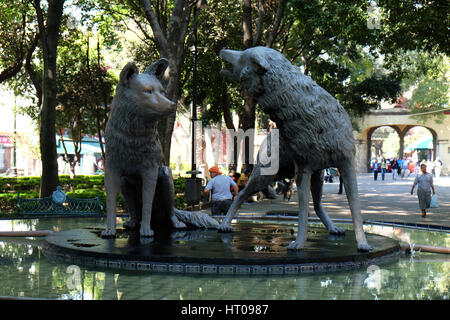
x=224, y=188
x=423, y=171
x=403, y=167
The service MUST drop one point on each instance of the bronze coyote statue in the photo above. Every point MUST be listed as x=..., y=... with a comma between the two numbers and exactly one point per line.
x=312, y=123
x=134, y=160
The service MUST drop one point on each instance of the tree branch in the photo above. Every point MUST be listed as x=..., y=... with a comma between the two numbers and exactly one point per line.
x=30, y=69
x=12, y=70
x=259, y=24
x=276, y=24
x=179, y=23
x=41, y=26
x=160, y=38
x=247, y=23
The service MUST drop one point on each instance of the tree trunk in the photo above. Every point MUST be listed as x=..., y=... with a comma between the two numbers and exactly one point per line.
x=248, y=116
x=227, y=109
x=49, y=42
x=247, y=122
x=165, y=126
x=171, y=46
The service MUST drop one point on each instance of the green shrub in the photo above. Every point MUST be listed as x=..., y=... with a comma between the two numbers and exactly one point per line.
x=78, y=187
x=8, y=202
x=179, y=185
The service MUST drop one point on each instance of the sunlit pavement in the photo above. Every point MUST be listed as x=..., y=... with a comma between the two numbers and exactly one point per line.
x=388, y=200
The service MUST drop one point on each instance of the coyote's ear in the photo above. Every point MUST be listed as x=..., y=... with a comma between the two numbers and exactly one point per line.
x=158, y=69
x=260, y=62
x=128, y=72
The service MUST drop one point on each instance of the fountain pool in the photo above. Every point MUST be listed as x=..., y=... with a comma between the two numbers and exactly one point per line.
x=26, y=272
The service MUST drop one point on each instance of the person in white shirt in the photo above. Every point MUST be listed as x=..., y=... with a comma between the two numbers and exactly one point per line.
x=221, y=188
x=424, y=183
x=437, y=168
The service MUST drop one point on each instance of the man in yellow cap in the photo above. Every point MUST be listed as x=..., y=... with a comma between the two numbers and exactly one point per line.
x=220, y=187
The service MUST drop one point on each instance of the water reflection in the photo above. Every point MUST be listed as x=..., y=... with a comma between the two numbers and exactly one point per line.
x=25, y=272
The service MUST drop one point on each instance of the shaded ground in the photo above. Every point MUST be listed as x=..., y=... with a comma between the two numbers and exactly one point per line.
x=388, y=200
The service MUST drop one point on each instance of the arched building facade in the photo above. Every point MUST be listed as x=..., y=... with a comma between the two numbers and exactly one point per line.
x=401, y=121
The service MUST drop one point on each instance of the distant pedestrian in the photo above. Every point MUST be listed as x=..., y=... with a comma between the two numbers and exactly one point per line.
x=394, y=167
x=412, y=168
x=405, y=170
x=437, y=168
x=399, y=166
x=376, y=169
x=243, y=179
x=383, y=168
x=424, y=183
x=219, y=186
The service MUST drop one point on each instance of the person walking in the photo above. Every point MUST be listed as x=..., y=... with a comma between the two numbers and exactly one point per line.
x=437, y=168
x=424, y=183
x=376, y=169
x=399, y=166
x=383, y=168
x=405, y=163
x=220, y=186
x=394, y=167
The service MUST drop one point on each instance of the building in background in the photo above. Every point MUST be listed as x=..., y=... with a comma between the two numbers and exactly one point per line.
x=19, y=140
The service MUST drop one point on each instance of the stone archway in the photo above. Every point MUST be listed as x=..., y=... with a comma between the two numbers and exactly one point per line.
x=401, y=130
x=401, y=121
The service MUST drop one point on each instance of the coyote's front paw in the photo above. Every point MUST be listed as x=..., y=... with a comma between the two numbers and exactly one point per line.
x=145, y=231
x=336, y=230
x=364, y=247
x=108, y=233
x=177, y=224
x=225, y=227
x=296, y=245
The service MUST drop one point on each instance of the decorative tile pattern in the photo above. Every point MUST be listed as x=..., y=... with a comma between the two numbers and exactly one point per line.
x=260, y=269
x=80, y=258
x=160, y=267
x=209, y=269
x=176, y=268
x=190, y=268
x=198, y=268
x=278, y=269
x=226, y=269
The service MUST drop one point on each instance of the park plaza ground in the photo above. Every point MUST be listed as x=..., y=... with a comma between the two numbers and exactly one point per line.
x=388, y=200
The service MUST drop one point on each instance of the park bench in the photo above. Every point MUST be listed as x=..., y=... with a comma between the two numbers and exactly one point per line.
x=59, y=204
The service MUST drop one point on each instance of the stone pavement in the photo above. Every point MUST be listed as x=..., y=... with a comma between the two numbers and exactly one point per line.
x=389, y=200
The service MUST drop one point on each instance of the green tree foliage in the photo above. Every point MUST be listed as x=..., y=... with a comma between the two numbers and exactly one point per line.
x=415, y=25
x=432, y=92
x=219, y=27
x=86, y=91
x=18, y=36
x=427, y=76
x=332, y=41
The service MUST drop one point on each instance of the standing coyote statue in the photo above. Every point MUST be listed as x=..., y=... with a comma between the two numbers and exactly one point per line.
x=312, y=123
x=258, y=181
x=134, y=160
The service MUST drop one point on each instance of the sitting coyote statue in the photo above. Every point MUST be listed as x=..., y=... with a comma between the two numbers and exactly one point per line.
x=134, y=160
x=312, y=123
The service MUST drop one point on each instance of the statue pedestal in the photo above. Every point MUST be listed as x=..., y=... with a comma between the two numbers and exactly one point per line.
x=252, y=248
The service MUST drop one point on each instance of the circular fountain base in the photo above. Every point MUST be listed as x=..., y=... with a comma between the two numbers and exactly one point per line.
x=252, y=248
